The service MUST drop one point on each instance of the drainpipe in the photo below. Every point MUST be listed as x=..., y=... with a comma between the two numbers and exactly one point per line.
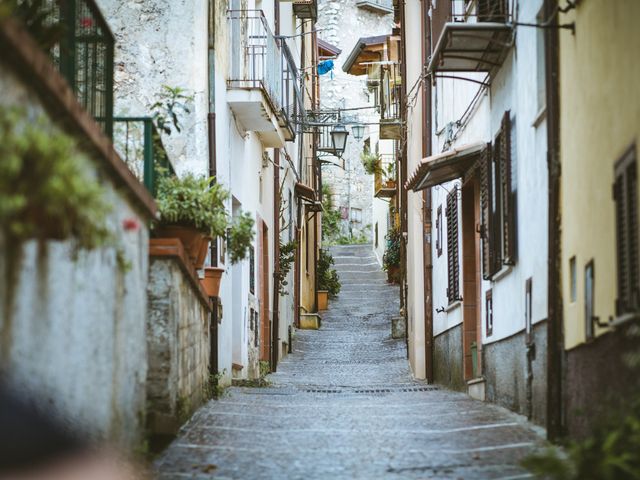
x=275, y=333
x=402, y=171
x=555, y=340
x=427, y=149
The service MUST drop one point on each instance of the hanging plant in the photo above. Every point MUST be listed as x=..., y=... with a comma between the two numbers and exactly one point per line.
x=391, y=257
x=371, y=162
x=45, y=189
x=285, y=262
x=240, y=237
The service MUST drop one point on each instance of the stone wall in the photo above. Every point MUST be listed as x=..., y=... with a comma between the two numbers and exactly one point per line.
x=72, y=327
x=342, y=23
x=178, y=344
x=505, y=367
x=447, y=359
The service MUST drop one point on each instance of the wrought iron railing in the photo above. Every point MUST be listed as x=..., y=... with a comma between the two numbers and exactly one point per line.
x=468, y=11
x=80, y=43
x=390, y=92
x=140, y=146
x=385, y=176
x=292, y=101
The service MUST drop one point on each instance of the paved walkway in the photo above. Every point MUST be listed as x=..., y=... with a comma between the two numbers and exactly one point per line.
x=344, y=405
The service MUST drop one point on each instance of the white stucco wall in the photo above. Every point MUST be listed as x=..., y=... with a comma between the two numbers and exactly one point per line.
x=74, y=322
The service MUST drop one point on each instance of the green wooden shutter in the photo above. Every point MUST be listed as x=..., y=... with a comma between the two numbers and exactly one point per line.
x=453, y=264
x=507, y=194
x=486, y=187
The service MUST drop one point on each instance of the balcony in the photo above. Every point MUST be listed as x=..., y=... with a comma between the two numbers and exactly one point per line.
x=140, y=146
x=385, y=178
x=305, y=9
x=389, y=96
x=382, y=7
x=263, y=91
x=472, y=35
x=78, y=39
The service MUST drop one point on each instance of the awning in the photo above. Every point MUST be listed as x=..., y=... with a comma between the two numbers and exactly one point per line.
x=471, y=47
x=444, y=167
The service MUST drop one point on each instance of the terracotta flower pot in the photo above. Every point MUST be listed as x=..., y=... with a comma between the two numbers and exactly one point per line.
x=393, y=275
x=323, y=299
x=195, y=242
x=211, y=280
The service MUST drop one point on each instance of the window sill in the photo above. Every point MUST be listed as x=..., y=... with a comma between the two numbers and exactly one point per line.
x=625, y=319
x=503, y=272
x=453, y=306
x=540, y=117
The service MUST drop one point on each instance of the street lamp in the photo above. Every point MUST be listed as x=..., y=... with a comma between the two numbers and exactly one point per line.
x=358, y=132
x=339, y=139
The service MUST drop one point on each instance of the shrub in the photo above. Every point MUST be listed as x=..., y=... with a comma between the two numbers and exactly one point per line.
x=240, y=237
x=371, y=162
x=391, y=257
x=327, y=277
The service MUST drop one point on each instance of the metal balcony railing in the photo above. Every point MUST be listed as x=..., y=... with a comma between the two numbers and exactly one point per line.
x=80, y=43
x=256, y=57
x=390, y=92
x=140, y=146
x=262, y=61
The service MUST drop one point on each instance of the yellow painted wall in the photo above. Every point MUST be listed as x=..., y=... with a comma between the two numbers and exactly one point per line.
x=600, y=119
x=308, y=276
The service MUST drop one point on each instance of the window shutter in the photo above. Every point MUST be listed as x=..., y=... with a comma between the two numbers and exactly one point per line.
x=507, y=193
x=628, y=257
x=453, y=291
x=486, y=188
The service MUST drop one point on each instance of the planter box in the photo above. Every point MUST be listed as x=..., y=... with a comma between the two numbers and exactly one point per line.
x=323, y=299
x=196, y=243
x=310, y=321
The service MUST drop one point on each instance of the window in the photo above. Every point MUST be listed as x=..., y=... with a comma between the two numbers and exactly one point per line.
x=252, y=270
x=376, y=235
x=573, y=280
x=356, y=215
x=528, y=305
x=625, y=194
x=453, y=262
x=589, y=291
x=439, y=231
x=498, y=200
x=541, y=63
x=488, y=303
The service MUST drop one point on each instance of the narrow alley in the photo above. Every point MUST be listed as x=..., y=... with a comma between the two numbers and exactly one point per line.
x=344, y=405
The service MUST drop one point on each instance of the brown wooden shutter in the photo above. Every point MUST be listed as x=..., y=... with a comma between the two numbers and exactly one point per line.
x=628, y=256
x=453, y=271
x=486, y=186
x=507, y=194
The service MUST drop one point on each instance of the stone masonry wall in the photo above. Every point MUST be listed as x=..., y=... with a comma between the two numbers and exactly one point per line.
x=178, y=345
x=342, y=23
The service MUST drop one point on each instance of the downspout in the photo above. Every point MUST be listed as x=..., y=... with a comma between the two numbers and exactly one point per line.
x=427, y=149
x=555, y=339
x=275, y=332
x=275, y=321
x=211, y=130
x=402, y=171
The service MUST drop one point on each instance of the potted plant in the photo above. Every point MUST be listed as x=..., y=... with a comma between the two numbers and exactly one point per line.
x=391, y=257
x=211, y=281
x=328, y=280
x=191, y=209
x=390, y=175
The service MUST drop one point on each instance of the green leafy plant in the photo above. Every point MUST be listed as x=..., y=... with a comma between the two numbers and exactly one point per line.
x=170, y=104
x=198, y=202
x=194, y=202
x=240, y=237
x=285, y=261
x=328, y=278
x=391, y=257
x=45, y=190
x=330, y=217
x=390, y=172
x=371, y=162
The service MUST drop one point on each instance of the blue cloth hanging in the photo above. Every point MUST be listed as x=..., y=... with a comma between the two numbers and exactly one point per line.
x=325, y=67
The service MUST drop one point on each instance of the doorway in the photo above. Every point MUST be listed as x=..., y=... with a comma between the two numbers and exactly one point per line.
x=471, y=281
x=265, y=318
